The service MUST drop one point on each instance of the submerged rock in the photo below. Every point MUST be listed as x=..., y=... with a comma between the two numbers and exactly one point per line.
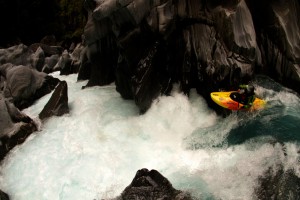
x=150, y=185
x=278, y=184
x=3, y=196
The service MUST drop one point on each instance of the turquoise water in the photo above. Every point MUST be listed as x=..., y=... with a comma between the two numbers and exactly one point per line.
x=94, y=151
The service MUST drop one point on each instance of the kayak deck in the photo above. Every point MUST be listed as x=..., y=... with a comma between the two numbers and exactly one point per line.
x=224, y=100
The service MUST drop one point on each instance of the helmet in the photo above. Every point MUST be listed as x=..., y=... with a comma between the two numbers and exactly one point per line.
x=250, y=89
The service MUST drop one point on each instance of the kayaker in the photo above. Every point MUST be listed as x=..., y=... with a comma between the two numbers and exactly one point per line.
x=247, y=95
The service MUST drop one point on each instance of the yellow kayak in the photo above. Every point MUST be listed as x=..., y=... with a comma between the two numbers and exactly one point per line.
x=230, y=100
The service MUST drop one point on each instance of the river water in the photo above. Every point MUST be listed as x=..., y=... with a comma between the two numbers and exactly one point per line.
x=94, y=151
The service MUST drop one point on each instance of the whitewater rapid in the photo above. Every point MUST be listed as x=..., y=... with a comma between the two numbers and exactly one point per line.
x=94, y=151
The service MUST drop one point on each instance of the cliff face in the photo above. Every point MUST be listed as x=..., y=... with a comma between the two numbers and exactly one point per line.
x=277, y=28
x=146, y=46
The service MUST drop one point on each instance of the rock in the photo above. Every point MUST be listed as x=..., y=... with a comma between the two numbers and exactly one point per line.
x=19, y=136
x=278, y=184
x=64, y=64
x=3, y=196
x=51, y=61
x=133, y=47
x=24, y=85
x=46, y=69
x=17, y=55
x=58, y=103
x=6, y=123
x=102, y=57
x=15, y=126
x=84, y=71
x=5, y=68
x=151, y=78
x=38, y=59
x=48, y=86
x=48, y=50
x=149, y=185
x=276, y=23
x=76, y=56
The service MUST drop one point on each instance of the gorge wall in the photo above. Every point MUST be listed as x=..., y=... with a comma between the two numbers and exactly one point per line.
x=146, y=46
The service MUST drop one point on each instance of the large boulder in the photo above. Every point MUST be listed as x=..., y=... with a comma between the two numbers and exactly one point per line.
x=150, y=185
x=277, y=28
x=15, y=126
x=17, y=55
x=24, y=85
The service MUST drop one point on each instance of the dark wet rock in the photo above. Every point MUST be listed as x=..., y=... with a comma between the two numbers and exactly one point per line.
x=2, y=82
x=24, y=85
x=48, y=86
x=152, y=185
x=46, y=69
x=6, y=123
x=133, y=47
x=64, y=64
x=76, y=56
x=278, y=184
x=38, y=59
x=48, y=50
x=102, y=56
x=9, y=142
x=277, y=26
x=15, y=126
x=58, y=103
x=34, y=56
x=3, y=196
x=50, y=62
x=17, y=55
x=151, y=78
x=5, y=68
x=84, y=71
